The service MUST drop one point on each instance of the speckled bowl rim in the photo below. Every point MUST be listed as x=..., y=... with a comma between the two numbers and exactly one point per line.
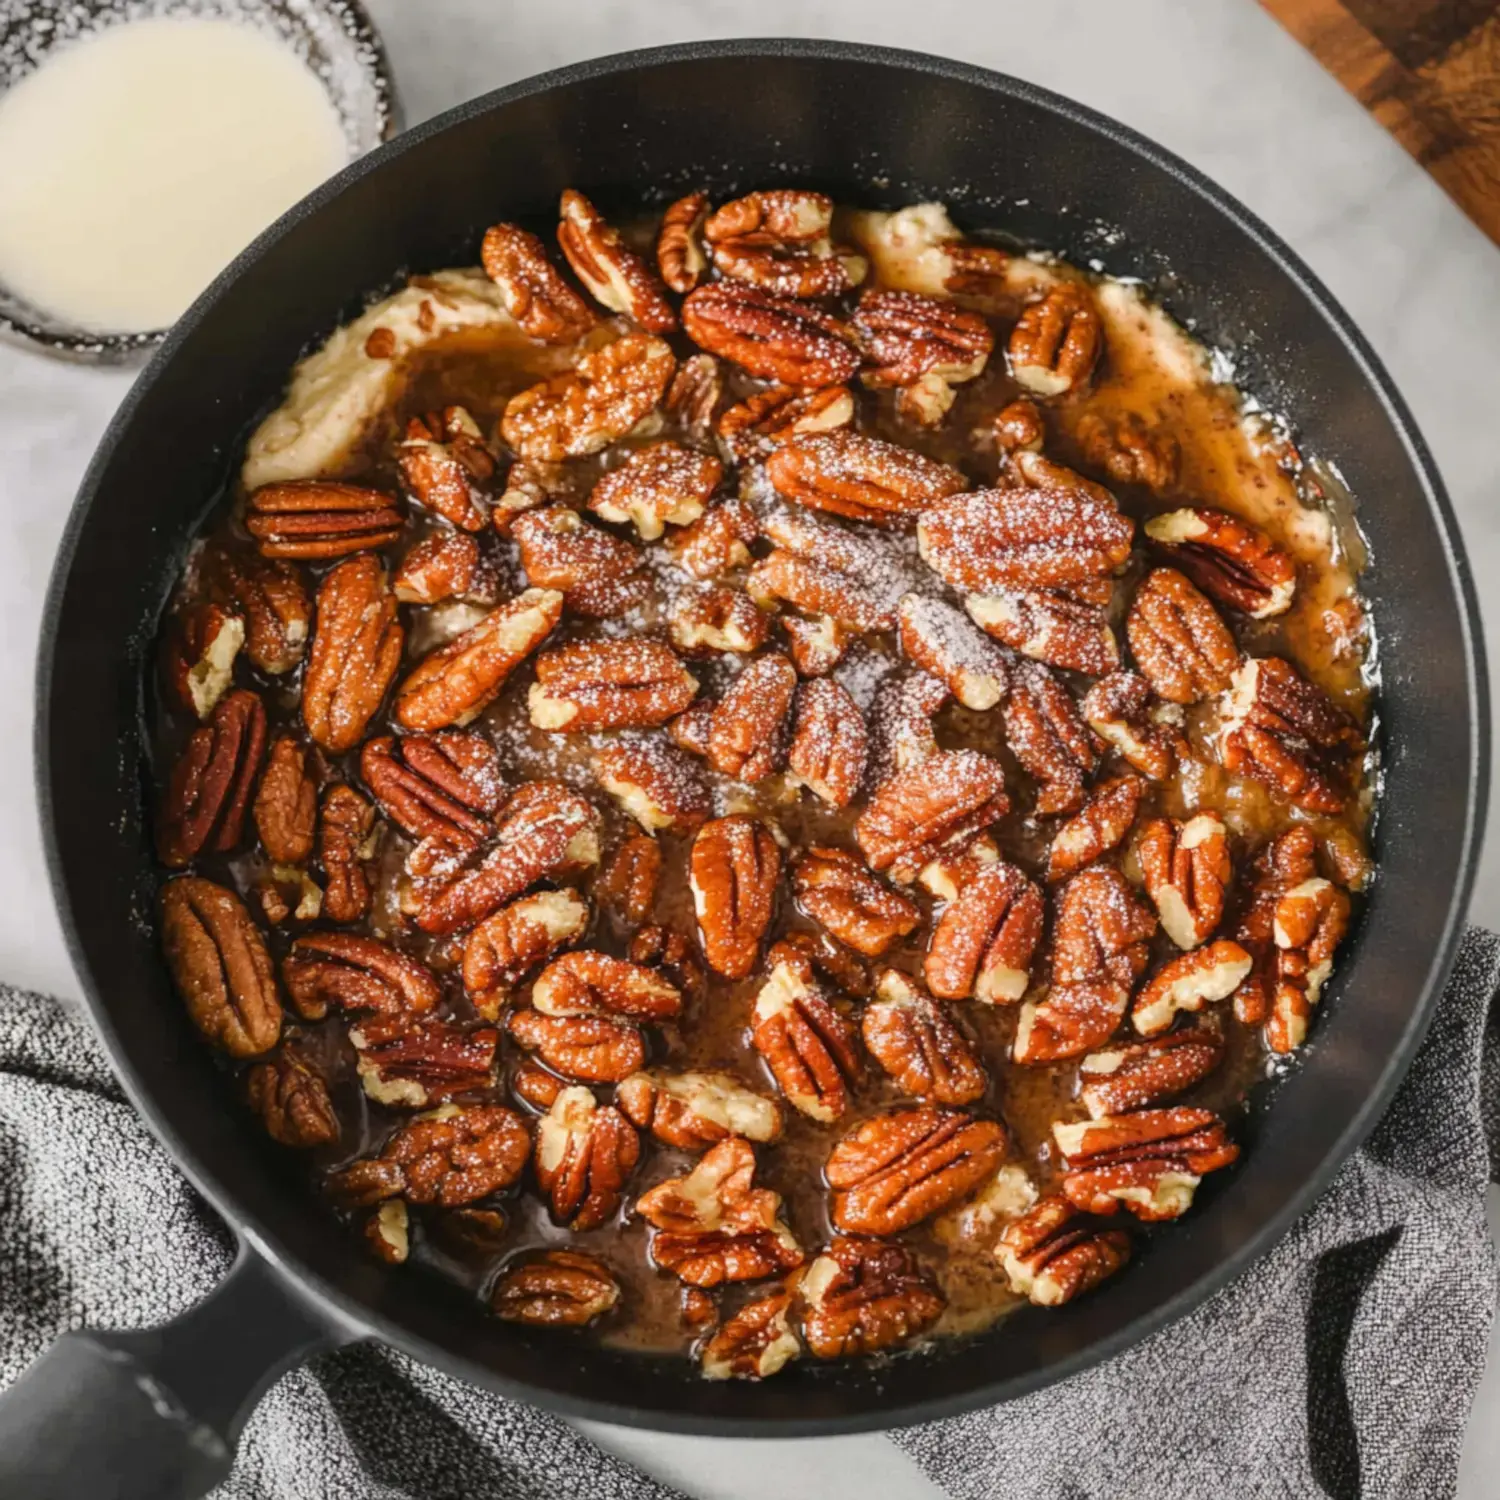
x=89, y=348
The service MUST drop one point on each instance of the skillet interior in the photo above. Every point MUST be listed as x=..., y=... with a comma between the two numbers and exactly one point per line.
x=868, y=126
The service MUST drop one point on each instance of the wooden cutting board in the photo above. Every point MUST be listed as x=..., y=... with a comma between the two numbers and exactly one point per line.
x=1429, y=71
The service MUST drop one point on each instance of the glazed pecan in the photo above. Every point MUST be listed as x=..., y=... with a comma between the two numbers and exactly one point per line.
x=413, y=1064
x=1056, y=1252
x=292, y=1100
x=1287, y=861
x=940, y=640
x=470, y=1233
x=603, y=397
x=983, y=942
x=832, y=961
x=555, y=1289
x=930, y=807
x=778, y=240
x=805, y=1038
x=353, y=974
x=1183, y=648
x=713, y=1225
x=628, y=883
x=445, y=565
x=1150, y=1160
x=679, y=244
x=689, y=730
x=387, y=1231
x=320, y=519
x=592, y=1049
x=1349, y=858
x=672, y=952
x=796, y=215
x=542, y=830
x=819, y=588
x=535, y=295
x=1235, y=562
x=829, y=742
x=609, y=684
x=1099, y=826
x=866, y=479
x=584, y=1154
x=1128, y=450
x=1133, y=1075
x=598, y=574
x=198, y=657
x=271, y=599
x=220, y=966
x=1118, y=709
x=901, y=732
x=755, y=1343
x=1057, y=341
x=761, y=423
x=694, y=394
x=711, y=621
x=913, y=1039
x=862, y=1296
x=1019, y=428
x=615, y=275
x=345, y=823
x=899, y=1168
x=734, y=870
x=861, y=564
x=529, y=485
x=589, y=983
x=659, y=485
x=203, y=806
x=1048, y=736
x=445, y=464
x=717, y=541
x=747, y=736
x=1309, y=922
x=923, y=346
x=518, y=938
x=356, y=651
x=1050, y=626
x=656, y=784
x=833, y=887
x=532, y=1084
x=1187, y=871
x=774, y=338
x=1188, y=983
x=817, y=646
x=692, y=1111
x=442, y=789
x=1285, y=732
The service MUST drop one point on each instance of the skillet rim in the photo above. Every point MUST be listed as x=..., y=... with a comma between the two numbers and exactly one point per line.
x=353, y=1318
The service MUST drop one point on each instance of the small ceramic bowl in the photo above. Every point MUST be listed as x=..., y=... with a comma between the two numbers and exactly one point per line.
x=336, y=38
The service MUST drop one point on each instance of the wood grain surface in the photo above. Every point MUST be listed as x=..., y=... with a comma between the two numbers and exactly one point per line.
x=1429, y=71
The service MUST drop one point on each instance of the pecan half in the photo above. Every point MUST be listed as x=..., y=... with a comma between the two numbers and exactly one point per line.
x=817, y=646
x=863, y=1296
x=1285, y=732
x=747, y=734
x=983, y=942
x=518, y=938
x=899, y=1168
x=779, y=241
x=292, y=1100
x=656, y=784
x=1057, y=341
x=198, y=656
x=1049, y=626
x=901, y=732
x=940, y=640
x=923, y=346
x=602, y=398
x=203, y=806
x=219, y=963
x=1183, y=648
x=387, y=1231
x=1133, y=1075
x=1228, y=558
x=819, y=588
x=589, y=983
x=1289, y=860
x=1118, y=709
x=679, y=244
x=755, y=1343
x=829, y=742
x=1188, y=983
x=795, y=215
x=628, y=883
x=711, y=621
x=272, y=600
x=659, y=485
x=445, y=565
x=1309, y=923
x=320, y=518
x=534, y=1085
x=805, y=1038
x=609, y=684
x=693, y=1111
x=585, y=1152
x=615, y=275
x=866, y=479
x=353, y=974
x=592, y=1049
x=555, y=1289
x=833, y=887
x=533, y=291
x=1056, y=1252
x=1187, y=871
x=1048, y=736
x=774, y=338
x=407, y=1064
x=1128, y=450
x=356, y=651
x=761, y=423
x=933, y=805
x=598, y=574
x=717, y=541
x=913, y=1039
x=734, y=869
x=694, y=395
x=445, y=464
x=1019, y=428
x=1151, y=1160
x=1099, y=826
x=345, y=823
x=440, y=788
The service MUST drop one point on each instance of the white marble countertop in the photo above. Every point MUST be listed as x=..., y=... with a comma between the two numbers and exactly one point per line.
x=1215, y=80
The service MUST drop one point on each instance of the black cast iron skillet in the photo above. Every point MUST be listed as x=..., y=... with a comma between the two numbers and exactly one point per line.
x=869, y=126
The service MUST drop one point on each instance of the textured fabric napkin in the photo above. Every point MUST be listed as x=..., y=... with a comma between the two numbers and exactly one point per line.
x=1344, y=1363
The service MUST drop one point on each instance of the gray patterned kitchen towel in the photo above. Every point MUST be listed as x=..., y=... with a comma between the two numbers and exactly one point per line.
x=1343, y=1364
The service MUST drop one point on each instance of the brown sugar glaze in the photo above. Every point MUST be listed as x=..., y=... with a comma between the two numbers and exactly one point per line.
x=1230, y=459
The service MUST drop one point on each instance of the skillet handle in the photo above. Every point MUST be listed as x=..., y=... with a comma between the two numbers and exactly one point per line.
x=155, y=1414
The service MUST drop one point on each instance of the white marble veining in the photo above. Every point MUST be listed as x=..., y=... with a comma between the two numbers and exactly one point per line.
x=1215, y=80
